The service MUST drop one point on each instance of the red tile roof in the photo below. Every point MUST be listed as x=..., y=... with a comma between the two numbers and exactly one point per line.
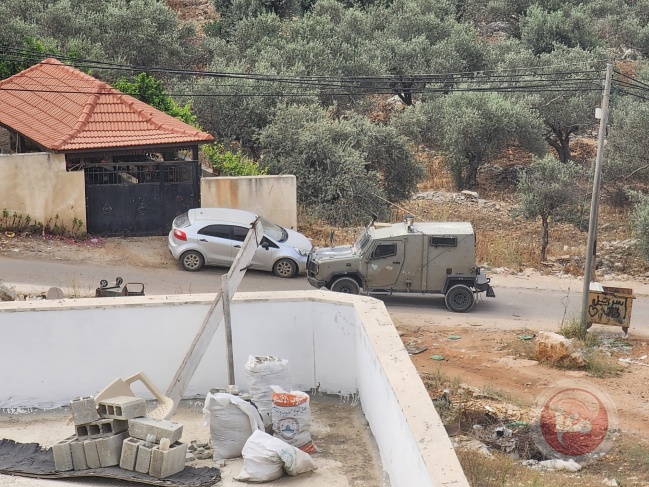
x=62, y=109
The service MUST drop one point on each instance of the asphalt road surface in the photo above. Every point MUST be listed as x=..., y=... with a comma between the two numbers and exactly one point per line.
x=533, y=302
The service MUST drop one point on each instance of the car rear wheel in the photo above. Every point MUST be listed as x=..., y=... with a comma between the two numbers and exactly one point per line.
x=460, y=298
x=285, y=268
x=345, y=285
x=192, y=261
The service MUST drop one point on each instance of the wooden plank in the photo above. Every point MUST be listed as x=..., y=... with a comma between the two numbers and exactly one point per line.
x=227, y=318
x=213, y=317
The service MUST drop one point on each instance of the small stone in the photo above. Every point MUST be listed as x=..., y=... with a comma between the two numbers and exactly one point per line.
x=7, y=294
x=190, y=457
x=203, y=455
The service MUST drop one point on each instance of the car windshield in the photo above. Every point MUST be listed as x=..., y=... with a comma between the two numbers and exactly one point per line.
x=361, y=242
x=274, y=231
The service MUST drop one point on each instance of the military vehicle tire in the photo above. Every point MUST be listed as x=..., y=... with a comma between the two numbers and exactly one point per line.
x=347, y=285
x=460, y=298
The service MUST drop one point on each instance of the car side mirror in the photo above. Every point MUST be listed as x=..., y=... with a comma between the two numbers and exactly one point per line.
x=265, y=245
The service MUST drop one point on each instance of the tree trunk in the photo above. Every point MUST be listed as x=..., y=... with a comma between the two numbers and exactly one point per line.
x=470, y=179
x=546, y=236
x=560, y=142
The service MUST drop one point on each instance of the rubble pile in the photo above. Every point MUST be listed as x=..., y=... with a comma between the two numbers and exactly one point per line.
x=479, y=422
x=116, y=431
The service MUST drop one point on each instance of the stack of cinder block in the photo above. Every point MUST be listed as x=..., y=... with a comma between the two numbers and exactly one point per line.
x=117, y=432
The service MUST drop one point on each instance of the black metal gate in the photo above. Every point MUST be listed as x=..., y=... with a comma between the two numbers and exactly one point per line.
x=139, y=198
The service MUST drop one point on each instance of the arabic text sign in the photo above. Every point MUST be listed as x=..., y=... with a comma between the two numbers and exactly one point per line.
x=610, y=308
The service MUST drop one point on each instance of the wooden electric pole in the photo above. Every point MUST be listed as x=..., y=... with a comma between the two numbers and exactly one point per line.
x=594, y=204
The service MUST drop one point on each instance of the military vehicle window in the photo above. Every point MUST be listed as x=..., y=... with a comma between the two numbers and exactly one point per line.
x=442, y=241
x=220, y=231
x=384, y=250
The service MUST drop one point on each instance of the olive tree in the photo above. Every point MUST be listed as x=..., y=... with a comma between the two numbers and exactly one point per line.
x=639, y=221
x=567, y=113
x=628, y=159
x=139, y=32
x=546, y=189
x=471, y=128
x=346, y=168
x=563, y=87
x=542, y=30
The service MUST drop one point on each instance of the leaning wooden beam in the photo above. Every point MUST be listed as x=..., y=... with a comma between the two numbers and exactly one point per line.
x=214, y=317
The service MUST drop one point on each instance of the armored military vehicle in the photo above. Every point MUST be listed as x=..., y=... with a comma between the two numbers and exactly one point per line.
x=408, y=257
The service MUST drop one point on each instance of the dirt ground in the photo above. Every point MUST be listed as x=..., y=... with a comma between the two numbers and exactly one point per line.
x=496, y=382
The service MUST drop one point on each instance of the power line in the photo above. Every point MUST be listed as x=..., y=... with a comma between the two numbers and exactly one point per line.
x=481, y=81
x=427, y=78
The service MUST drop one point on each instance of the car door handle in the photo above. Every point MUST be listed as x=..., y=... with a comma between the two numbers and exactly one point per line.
x=398, y=262
x=202, y=240
x=237, y=246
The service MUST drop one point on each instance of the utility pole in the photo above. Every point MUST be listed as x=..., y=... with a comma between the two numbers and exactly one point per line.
x=594, y=204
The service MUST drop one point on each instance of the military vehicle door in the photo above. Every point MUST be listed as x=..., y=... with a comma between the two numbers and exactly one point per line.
x=384, y=264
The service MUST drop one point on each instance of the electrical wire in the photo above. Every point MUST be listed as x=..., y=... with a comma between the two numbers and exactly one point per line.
x=535, y=82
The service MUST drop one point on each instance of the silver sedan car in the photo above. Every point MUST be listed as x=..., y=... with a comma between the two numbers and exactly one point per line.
x=213, y=236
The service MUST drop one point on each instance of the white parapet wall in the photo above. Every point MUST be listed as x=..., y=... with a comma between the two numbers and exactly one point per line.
x=55, y=351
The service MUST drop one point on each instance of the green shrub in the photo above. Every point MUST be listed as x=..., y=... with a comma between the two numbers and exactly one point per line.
x=228, y=163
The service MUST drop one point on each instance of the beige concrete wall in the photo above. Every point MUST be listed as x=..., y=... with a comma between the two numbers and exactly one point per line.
x=37, y=184
x=273, y=197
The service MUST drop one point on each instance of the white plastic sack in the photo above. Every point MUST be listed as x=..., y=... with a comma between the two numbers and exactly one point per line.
x=232, y=420
x=265, y=459
x=291, y=415
x=263, y=372
x=557, y=464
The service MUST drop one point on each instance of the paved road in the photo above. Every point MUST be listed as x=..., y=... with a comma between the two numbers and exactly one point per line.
x=535, y=302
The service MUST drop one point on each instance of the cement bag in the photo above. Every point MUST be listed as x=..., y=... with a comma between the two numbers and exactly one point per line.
x=263, y=372
x=232, y=420
x=266, y=458
x=291, y=415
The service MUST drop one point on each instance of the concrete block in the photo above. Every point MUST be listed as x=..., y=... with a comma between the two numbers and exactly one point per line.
x=110, y=449
x=63, y=455
x=84, y=410
x=122, y=407
x=143, y=461
x=78, y=455
x=129, y=453
x=101, y=428
x=141, y=427
x=166, y=463
x=92, y=455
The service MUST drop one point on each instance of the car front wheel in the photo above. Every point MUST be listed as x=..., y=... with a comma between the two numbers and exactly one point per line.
x=285, y=268
x=345, y=285
x=192, y=261
x=460, y=298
